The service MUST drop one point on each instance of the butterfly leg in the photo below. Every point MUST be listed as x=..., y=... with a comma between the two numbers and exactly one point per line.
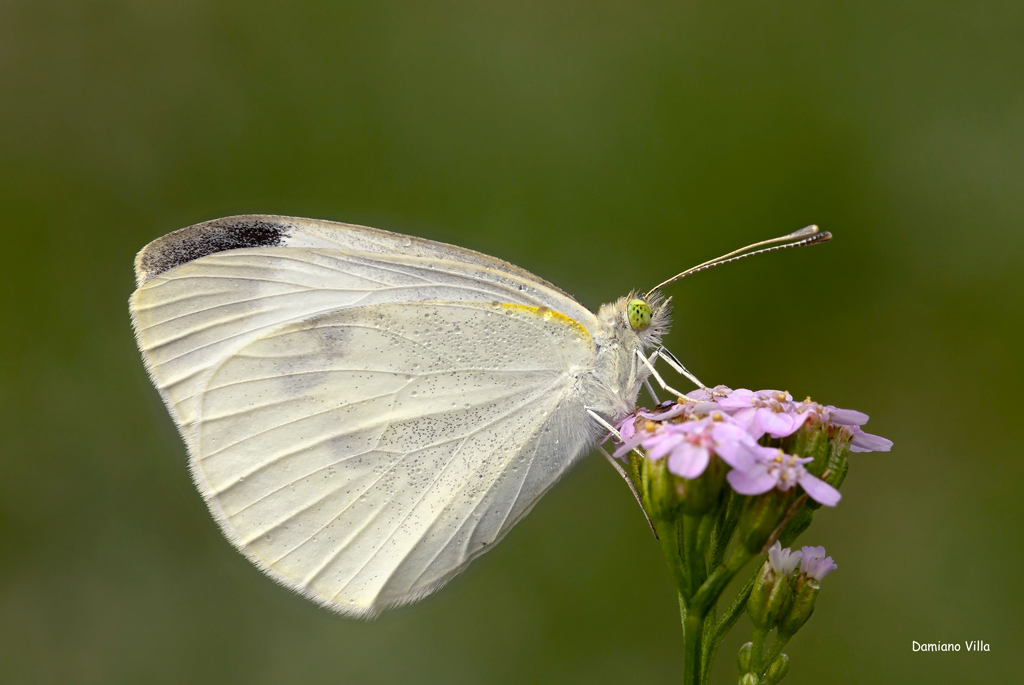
x=647, y=383
x=612, y=430
x=678, y=367
x=618, y=467
x=650, y=391
x=632, y=488
x=604, y=424
x=661, y=381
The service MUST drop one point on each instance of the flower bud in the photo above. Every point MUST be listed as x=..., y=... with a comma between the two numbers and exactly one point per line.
x=828, y=446
x=771, y=592
x=800, y=607
x=838, y=459
x=760, y=516
x=814, y=566
x=743, y=659
x=768, y=598
x=777, y=671
x=701, y=495
x=657, y=486
x=750, y=679
x=812, y=440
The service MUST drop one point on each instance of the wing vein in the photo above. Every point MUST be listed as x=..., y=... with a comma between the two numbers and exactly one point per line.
x=375, y=482
x=385, y=424
x=465, y=520
x=418, y=500
x=306, y=446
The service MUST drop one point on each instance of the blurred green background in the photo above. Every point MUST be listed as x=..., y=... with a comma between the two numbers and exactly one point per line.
x=603, y=146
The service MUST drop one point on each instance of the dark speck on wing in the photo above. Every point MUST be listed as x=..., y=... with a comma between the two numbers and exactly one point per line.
x=194, y=242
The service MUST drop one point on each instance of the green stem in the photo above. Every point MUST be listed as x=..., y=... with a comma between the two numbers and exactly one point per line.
x=692, y=558
x=700, y=605
x=668, y=537
x=707, y=646
x=736, y=609
x=724, y=625
x=693, y=621
x=757, y=653
x=693, y=630
x=724, y=520
x=694, y=548
x=682, y=621
x=722, y=532
x=712, y=588
x=706, y=527
x=774, y=652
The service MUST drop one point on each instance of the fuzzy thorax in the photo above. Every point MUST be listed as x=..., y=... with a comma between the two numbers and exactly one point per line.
x=617, y=376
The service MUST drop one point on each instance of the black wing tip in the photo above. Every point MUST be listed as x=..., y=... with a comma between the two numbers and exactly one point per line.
x=210, y=237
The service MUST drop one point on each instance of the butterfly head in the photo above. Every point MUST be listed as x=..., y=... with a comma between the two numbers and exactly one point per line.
x=645, y=318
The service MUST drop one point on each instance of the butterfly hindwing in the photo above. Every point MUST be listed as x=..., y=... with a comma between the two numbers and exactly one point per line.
x=365, y=456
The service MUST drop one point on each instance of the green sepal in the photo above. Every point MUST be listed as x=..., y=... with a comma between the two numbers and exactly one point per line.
x=665, y=494
x=662, y=490
x=769, y=598
x=838, y=460
x=704, y=494
x=805, y=592
x=810, y=441
x=743, y=658
x=653, y=482
x=760, y=516
x=777, y=671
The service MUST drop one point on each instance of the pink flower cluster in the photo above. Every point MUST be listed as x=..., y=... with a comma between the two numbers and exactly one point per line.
x=729, y=424
x=812, y=561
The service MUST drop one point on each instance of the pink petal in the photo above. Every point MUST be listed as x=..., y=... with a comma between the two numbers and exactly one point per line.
x=736, y=454
x=847, y=417
x=701, y=395
x=815, y=564
x=776, y=425
x=661, y=444
x=866, y=442
x=744, y=418
x=766, y=453
x=728, y=430
x=688, y=461
x=819, y=490
x=754, y=481
x=669, y=413
x=775, y=555
x=689, y=427
x=628, y=445
x=738, y=399
x=705, y=408
x=784, y=561
x=798, y=420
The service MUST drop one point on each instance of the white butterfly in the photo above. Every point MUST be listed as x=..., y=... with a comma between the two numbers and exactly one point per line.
x=366, y=412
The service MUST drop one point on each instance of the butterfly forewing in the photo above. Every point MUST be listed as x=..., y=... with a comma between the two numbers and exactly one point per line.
x=198, y=313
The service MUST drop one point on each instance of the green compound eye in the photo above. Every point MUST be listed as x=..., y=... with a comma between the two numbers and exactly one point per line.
x=639, y=313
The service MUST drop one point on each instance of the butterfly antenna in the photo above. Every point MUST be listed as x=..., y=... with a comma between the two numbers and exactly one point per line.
x=809, y=235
